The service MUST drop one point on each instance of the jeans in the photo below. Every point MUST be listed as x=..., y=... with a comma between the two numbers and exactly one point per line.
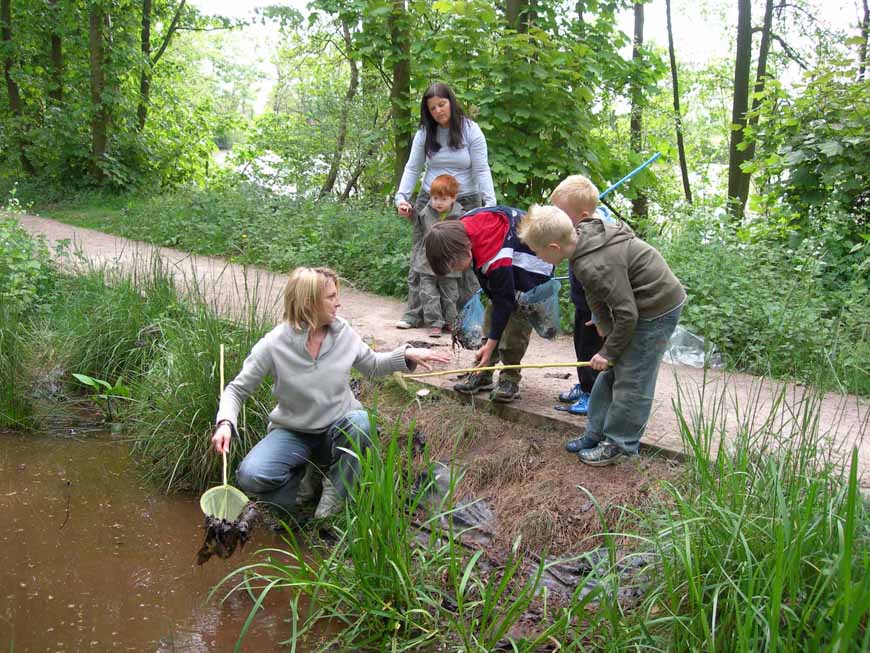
x=622, y=396
x=273, y=469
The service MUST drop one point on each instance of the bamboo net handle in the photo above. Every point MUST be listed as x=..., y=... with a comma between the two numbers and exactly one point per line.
x=495, y=368
x=223, y=453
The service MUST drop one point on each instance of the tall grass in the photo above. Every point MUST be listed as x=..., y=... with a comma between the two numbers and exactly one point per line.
x=765, y=547
x=16, y=407
x=179, y=390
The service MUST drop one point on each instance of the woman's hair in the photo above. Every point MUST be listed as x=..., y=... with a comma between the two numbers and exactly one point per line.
x=427, y=122
x=304, y=294
x=445, y=242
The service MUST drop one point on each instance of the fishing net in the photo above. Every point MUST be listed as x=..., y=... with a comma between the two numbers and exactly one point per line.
x=229, y=516
x=540, y=306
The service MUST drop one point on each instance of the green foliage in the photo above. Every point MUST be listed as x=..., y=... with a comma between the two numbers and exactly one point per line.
x=16, y=408
x=26, y=272
x=814, y=153
x=769, y=309
x=104, y=393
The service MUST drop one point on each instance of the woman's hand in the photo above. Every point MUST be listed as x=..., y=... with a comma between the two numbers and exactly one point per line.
x=221, y=438
x=483, y=354
x=404, y=209
x=423, y=357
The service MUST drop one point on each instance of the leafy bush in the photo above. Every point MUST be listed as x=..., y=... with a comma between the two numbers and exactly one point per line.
x=768, y=308
x=26, y=272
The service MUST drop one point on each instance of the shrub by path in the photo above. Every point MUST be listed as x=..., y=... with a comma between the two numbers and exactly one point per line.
x=842, y=418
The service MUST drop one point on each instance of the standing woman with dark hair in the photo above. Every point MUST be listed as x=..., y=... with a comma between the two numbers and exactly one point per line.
x=447, y=143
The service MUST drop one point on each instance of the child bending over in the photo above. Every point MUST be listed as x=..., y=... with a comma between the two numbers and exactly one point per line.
x=486, y=240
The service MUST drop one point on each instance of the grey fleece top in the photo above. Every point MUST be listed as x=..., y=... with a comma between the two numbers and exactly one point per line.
x=469, y=164
x=312, y=394
x=625, y=279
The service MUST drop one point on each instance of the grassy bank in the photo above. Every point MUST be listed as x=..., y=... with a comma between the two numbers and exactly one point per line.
x=790, y=313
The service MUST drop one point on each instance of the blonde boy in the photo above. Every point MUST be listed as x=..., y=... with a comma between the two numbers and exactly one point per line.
x=637, y=301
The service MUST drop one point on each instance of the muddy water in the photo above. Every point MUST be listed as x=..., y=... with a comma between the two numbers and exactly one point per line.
x=94, y=559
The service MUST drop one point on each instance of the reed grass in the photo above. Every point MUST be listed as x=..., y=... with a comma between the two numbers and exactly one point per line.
x=765, y=545
x=16, y=406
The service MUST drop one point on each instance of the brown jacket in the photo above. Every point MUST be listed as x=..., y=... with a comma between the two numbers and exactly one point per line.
x=625, y=279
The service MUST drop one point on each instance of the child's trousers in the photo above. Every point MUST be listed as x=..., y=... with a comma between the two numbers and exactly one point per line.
x=622, y=396
x=438, y=296
x=511, y=346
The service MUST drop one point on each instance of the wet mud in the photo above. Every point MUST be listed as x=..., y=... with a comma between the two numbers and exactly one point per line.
x=96, y=559
x=222, y=536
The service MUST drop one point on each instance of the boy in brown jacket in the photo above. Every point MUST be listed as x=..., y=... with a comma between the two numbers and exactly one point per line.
x=637, y=301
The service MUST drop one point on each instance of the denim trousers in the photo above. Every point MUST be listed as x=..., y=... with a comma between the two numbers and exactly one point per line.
x=621, y=399
x=274, y=467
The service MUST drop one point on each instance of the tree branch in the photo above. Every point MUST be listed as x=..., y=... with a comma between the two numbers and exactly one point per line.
x=168, y=36
x=789, y=51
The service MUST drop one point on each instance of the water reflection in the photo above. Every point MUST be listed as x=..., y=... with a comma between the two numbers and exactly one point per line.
x=93, y=558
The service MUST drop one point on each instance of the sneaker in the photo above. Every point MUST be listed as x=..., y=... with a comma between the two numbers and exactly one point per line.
x=330, y=502
x=579, y=407
x=474, y=382
x=506, y=392
x=606, y=453
x=572, y=395
x=435, y=332
x=401, y=324
x=309, y=485
x=582, y=443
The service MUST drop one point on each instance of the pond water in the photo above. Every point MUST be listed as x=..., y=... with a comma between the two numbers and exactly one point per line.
x=92, y=558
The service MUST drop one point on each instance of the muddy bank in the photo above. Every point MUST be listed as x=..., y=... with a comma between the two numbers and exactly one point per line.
x=95, y=560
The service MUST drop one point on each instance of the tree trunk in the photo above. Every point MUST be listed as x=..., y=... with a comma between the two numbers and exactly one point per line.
x=865, y=37
x=760, y=76
x=12, y=90
x=400, y=89
x=519, y=14
x=678, y=116
x=352, y=86
x=740, y=105
x=56, y=56
x=145, y=73
x=639, y=205
x=99, y=114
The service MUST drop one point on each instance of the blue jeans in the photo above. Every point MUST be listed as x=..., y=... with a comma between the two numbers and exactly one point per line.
x=273, y=469
x=622, y=396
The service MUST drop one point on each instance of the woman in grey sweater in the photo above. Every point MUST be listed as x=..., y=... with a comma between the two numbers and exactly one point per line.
x=309, y=357
x=448, y=143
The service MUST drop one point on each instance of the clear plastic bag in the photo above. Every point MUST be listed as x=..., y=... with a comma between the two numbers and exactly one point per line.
x=540, y=306
x=468, y=327
x=686, y=348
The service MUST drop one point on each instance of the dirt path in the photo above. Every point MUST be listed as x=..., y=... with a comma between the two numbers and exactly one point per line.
x=740, y=399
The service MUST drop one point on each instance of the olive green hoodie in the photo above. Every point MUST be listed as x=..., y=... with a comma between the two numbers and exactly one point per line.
x=625, y=279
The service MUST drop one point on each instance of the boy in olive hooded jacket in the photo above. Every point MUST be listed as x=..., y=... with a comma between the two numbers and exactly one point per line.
x=637, y=301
